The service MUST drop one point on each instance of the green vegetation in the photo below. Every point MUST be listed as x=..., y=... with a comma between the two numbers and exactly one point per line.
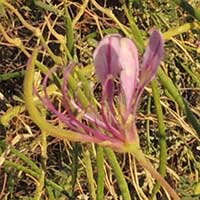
x=36, y=164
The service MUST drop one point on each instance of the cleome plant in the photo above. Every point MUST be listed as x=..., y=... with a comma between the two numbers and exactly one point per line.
x=112, y=122
x=99, y=99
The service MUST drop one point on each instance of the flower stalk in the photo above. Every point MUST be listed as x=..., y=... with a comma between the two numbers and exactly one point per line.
x=136, y=151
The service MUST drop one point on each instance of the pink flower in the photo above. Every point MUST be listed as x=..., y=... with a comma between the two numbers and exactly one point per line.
x=123, y=79
x=118, y=56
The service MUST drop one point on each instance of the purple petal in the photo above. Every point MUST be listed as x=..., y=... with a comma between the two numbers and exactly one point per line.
x=130, y=69
x=152, y=58
x=106, y=61
x=106, y=57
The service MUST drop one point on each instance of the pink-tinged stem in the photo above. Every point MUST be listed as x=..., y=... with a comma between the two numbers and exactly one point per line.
x=138, y=154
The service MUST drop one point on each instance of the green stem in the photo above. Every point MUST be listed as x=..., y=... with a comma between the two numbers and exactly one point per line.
x=40, y=185
x=137, y=37
x=101, y=173
x=74, y=167
x=10, y=75
x=148, y=123
x=10, y=113
x=58, y=188
x=27, y=160
x=69, y=30
x=41, y=180
x=138, y=154
x=50, y=193
x=22, y=168
x=168, y=84
x=162, y=139
x=90, y=176
x=118, y=173
x=177, y=30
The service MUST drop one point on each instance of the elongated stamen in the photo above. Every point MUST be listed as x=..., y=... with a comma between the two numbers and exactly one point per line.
x=47, y=102
x=111, y=129
x=93, y=118
x=107, y=119
x=88, y=130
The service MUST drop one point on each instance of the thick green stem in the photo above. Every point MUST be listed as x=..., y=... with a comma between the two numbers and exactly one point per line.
x=101, y=173
x=74, y=166
x=148, y=123
x=90, y=177
x=162, y=135
x=118, y=173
